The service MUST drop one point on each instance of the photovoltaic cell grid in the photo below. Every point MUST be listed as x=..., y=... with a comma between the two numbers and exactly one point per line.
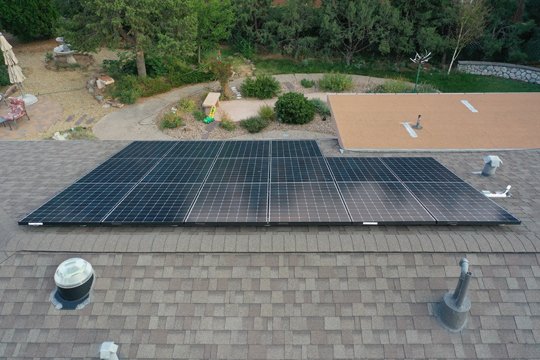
x=264, y=182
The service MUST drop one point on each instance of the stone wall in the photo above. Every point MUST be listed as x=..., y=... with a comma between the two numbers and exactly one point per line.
x=507, y=71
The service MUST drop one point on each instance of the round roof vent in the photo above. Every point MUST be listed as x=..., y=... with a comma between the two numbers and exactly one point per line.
x=74, y=279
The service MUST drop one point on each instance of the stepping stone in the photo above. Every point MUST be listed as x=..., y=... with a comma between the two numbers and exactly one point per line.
x=70, y=118
x=90, y=121
x=80, y=121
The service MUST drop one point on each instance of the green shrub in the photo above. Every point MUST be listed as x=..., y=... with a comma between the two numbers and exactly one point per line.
x=228, y=124
x=4, y=76
x=170, y=121
x=262, y=87
x=187, y=105
x=152, y=86
x=254, y=124
x=307, y=83
x=29, y=19
x=320, y=107
x=294, y=108
x=199, y=115
x=267, y=113
x=127, y=89
x=392, y=86
x=336, y=82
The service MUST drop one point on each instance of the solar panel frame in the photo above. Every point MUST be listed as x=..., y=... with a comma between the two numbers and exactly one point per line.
x=369, y=169
x=163, y=203
x=295, y=148
x=305, y=203
x=388, y=203
x=308, y=169
x=179, y=170
x=230, y=203
x=79, y=204
x=245, y=149
x=145, y=149
x=419, y=169
x=120, y=170
x=239, y=170
x=195, y=149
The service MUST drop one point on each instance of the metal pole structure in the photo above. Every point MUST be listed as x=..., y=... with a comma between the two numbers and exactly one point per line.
x=417, y=77
x=420, y=60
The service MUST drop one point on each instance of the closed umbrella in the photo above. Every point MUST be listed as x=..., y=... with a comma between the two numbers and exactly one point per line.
x=16, y=75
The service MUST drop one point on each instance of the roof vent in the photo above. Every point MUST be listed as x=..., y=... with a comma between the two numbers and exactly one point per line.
x=74, y=279
x=108, y=350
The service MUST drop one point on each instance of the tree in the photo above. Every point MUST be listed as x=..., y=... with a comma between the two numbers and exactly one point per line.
x=251, y=16
x=30, y=19
x=215, y=21
x=222, y=70
x=347, y=25
x=469, y=25
x=165, y=27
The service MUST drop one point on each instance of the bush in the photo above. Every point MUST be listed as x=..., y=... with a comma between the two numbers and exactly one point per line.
x=187, y=105
x=320, y=107
x=267, y=113
x=262, y=87
x=254, y=124
x=30, y=19
x=4, y=76
x=307, y=83
x=127, y=89
x=152, y=86
x=227, y=124
x=199, y=115
x=336, y=82
x=294, y=108
x=171, y=120
x=392, y=86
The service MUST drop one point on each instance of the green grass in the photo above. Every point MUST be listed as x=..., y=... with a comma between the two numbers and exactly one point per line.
x=456, y=82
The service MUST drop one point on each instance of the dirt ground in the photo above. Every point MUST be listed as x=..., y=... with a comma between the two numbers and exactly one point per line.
x=65, y=87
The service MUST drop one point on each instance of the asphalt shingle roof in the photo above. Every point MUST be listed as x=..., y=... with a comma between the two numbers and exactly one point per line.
x=314, y=292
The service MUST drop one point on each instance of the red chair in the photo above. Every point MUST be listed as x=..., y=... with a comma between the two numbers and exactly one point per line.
x=17, y=110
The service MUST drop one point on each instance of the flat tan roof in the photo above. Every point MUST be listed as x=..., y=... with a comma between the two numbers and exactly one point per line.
x=501, y=121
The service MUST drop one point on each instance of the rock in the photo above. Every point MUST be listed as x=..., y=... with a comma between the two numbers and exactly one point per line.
x=107, y=80
x=100, y=84
x=106, y=106
x=99, y=98
x=58, y=136
x=91, y=90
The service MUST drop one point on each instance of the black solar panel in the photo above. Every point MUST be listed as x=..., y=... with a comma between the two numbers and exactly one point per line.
x=300, y=170
x=419, y=169
x=146, y=149
x=312, y=202
x=264, y=182
x=195, y=149
x=155, y=203
x=299, y=148
x=120, y=170
x=245, y=149
x=452, y=203
x=230, y=203
x=384, y=203
x=360, y=169
x=239, y=170
x=79, y=204
x=180, y=170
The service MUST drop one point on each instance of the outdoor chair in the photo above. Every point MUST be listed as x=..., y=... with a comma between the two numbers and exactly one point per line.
x=9, y=91
x=17, y=110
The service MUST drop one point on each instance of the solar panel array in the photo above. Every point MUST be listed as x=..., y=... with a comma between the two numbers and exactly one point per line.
x=264, y=183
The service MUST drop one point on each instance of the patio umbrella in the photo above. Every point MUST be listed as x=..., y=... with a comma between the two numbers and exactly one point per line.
x=16, y=75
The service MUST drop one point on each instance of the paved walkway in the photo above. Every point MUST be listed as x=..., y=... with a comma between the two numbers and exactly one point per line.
x=137, y=122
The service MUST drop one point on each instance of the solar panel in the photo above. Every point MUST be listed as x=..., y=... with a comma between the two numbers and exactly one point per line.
x=180, y=170
x=239, y=170
x=300, y=170
x=118, y=170
x=155, y=203
x=360, y=169
x=245, y=149
x=310, y=202
x=230, y=203
x=298, y=148
x=195, y=149
x=419, y=169
x=452, y=203
x=79, y=204
x=383, y=203
x=146, y=149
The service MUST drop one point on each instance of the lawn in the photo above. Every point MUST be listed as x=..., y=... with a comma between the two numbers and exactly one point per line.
x=455, y=82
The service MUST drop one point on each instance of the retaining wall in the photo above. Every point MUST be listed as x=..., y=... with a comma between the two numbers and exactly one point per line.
x=507, y=71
